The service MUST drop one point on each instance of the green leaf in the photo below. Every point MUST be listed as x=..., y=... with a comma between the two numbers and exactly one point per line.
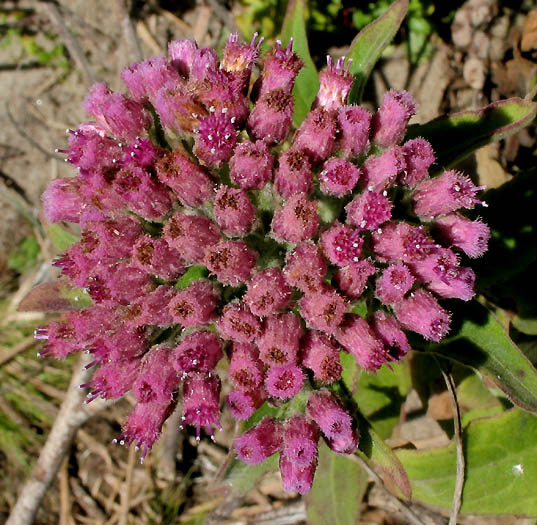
x=379, y=396
x=480, y=342
x=382, y=459
x=243, y=477
x=307, y=81
x=192, y=274
x=25, y=256
x=338, y=489
x=501, y=467
x=61, y=238
x=455, y=136
x=369, y=44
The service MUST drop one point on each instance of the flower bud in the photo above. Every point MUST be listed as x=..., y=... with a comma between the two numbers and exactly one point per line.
x=260, y=442
x=267, y=292
x=390, y=122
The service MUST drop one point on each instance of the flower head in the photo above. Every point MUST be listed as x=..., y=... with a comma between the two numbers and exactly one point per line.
x=212, y=230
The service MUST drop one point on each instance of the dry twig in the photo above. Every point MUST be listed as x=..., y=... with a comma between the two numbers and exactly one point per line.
x=459, y=482
x=401, y=506
x=72, y=415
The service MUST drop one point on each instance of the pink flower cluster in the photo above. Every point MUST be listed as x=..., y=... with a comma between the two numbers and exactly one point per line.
x=198, y=168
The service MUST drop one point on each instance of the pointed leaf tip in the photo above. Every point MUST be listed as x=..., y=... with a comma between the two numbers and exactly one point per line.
x=370, y=42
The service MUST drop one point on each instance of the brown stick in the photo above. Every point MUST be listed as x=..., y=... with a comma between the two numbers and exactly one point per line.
x=459, y=481
x=73, y=414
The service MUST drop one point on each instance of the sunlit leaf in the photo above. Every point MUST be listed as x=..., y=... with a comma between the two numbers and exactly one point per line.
x=501, y=467
x=379, y=396
x=480, y=341
x=60, y=237
x=383, y=460
x=307, y=81
x=369, y=44
x=338, y=490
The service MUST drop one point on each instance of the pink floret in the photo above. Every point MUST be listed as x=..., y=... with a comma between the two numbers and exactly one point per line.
x=305, y=267
x=342, y=244
x=352, y=279
x=182, y=53
x=369, y=210
x=233, y=211
x=268, y=292
x=354, y=123
x=297, y=221
x=91, y=149
x=260, y=442
x=336, y=83
x=317, y=135
x=245, y=368
x=238, y=323
x=320, y=355
x=188, y=180
x=358, y=339
x=154, y=256
x=284, y=382
x=443, y=194
x=338, y=177
x=143, y=194
x=394, y=282
x=251, y=165
x=62, y=200
x=293, y=174
x=215, y=139
x=178, y=110
x=150, y=309
x=204, y=60
x=60, y=336
x=113, y=379
x=196, y=304
x=144, y=425
x=296, y=478
x=334, y=421
x=144, y=79
x=199, y=351
x=271, y=118
x=402, y=242
x=243, y=403
x=419, y=157
x=421, y=313
x=469, y=236
x=279, y=343
x=441, y=272
x=201, y=402
x=300, y=438
x=190, y=235
x=120, y=116
x=390, y=122
x=323, y=310
x=389, y=331
x=231, y=261
x=380, y=172
x=280, y=69
x=157, y=379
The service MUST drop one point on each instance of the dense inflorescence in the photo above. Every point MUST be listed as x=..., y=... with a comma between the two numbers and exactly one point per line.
x=292, y=233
